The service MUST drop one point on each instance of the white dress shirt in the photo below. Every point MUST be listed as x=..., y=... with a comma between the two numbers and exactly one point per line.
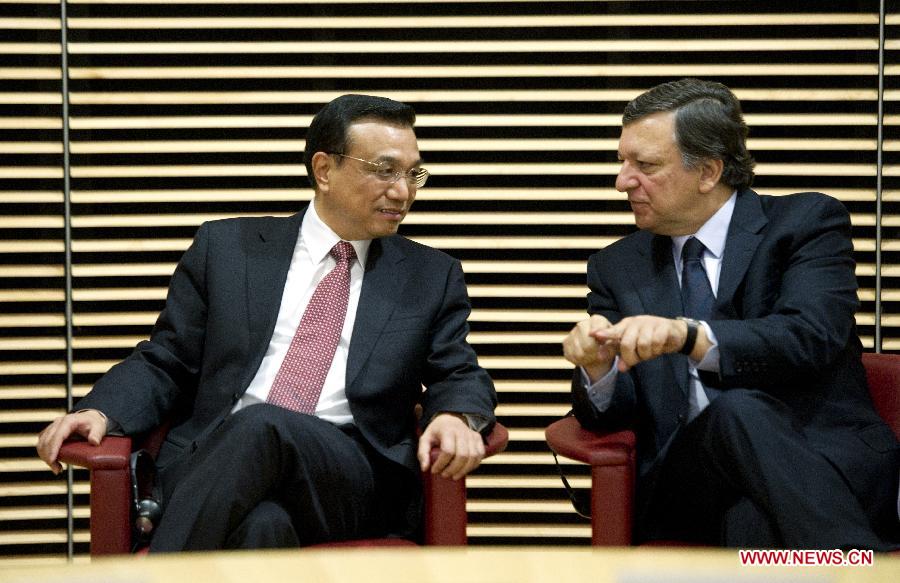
x=713, y=234
x=311, y=262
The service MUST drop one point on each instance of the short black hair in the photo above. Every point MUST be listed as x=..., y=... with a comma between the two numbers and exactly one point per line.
x=328, y=129
x=709, y=124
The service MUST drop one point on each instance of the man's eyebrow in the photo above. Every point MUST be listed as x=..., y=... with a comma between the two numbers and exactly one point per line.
x=393, y=160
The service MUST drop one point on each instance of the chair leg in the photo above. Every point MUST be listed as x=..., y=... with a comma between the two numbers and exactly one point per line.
x=445, y=511
x=612, y=500
x=110, y=512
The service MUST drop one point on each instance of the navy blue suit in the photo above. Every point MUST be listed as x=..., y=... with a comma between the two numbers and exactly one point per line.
x=220, y=313
x=784, y=322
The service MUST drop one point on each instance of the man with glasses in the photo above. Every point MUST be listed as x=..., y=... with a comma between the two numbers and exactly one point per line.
x=292, y=353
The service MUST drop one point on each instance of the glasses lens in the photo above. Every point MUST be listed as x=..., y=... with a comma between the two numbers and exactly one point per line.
x=419, y=177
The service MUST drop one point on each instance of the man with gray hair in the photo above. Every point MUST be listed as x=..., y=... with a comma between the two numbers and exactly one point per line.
x=724, y=333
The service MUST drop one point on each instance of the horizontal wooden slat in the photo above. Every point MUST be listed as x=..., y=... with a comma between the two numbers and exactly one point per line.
x=32, y=271
x=544, y=458
x=18, y=440
x=40, y=488
x=517, y=506
x=482, y=46
x=31, y=320
x=438, y=194
x=29, y=415
x=460, y=145
x=510, y=338
x=542, y=410
x=446, y=121
x=534, y=531
x=532, y=386
x=24, y=537
x=32, y=295
x=32, y=343
x=526, y=482
x=29, y=123
x=505, y=21
x=14, y=196
x=25, y=391
x=20, y=465
x=41, y=513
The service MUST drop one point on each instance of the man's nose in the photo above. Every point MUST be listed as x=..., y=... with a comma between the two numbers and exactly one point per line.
x=400, y=190
x=625, y=180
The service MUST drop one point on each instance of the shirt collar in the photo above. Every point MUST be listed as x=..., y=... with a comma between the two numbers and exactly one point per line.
x=319, y=238
x=714, y=231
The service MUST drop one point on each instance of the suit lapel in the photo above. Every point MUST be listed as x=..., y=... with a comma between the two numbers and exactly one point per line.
x=655, y=278
x=385, y=277
x=744, y=236
x=270, y=248
x=657, y=284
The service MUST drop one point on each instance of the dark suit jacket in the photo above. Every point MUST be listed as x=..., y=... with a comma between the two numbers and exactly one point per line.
x=220, y=313
x=784, y=321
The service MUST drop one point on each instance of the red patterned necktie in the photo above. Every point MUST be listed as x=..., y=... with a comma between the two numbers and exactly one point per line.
x=299, y=380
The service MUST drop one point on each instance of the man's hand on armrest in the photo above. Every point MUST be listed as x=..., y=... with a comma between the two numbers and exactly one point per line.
x=88, y=423
x=461, y=448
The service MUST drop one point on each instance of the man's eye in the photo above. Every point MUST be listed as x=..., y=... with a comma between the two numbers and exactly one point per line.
x=385, y=172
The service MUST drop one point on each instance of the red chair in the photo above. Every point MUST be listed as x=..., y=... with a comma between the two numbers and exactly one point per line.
x=111, y=497
x=612, y=455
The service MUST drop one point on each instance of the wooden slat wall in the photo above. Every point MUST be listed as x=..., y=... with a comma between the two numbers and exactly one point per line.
x=32, y=290
x=187, y=111
x=890, y=203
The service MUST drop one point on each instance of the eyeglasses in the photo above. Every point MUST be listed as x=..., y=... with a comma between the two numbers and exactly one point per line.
x=386, y=173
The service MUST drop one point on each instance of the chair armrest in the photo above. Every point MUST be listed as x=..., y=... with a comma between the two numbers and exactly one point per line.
x=612, y=460
x=567, y=438
x=111, y=497
x=496, y=441
x=112, y=453
x=883, y=376
x=445, y=499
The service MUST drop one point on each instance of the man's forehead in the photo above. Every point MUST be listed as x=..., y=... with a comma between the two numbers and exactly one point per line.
x=366, y=124
x=653, y=134
x=384, y=141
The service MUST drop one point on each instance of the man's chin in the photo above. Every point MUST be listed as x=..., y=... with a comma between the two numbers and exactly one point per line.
x=643, y=223
x=385, y=230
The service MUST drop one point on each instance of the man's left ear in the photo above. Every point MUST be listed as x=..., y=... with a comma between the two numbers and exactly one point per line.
x=710, y=174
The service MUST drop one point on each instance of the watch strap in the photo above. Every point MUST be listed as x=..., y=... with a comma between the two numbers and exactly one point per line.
x=691, y=338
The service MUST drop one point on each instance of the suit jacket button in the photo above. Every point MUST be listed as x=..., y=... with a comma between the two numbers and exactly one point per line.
x=681, y=417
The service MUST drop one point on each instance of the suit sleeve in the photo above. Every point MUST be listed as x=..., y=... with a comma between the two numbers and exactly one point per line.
x=453, y=379
x=161, y=373
x=802, y=319
x=620, y=412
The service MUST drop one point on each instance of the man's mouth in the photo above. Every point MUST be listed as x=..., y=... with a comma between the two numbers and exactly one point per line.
x=392, y=213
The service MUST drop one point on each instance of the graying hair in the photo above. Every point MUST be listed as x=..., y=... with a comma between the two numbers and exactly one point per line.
x=708, y=125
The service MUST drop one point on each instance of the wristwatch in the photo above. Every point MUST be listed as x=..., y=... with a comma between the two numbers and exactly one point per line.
x=691, y=339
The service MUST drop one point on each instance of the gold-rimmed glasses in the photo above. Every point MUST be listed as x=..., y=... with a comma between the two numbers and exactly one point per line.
x=383, y=171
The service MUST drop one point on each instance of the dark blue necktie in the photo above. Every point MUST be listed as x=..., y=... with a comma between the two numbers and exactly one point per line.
x=696, y=294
